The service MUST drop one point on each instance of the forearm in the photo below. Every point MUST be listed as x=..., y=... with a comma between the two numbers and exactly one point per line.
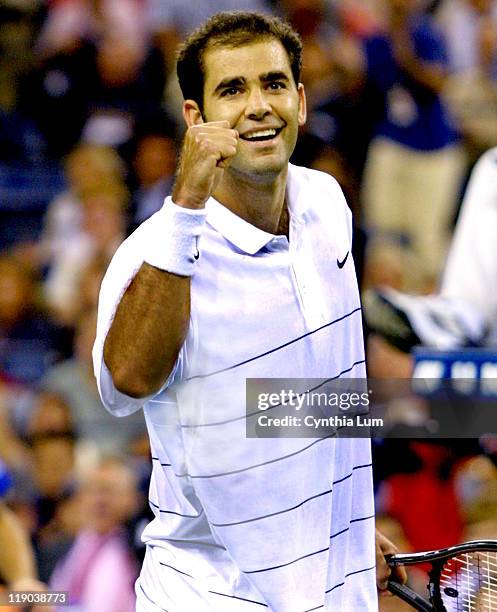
x=148, y=330
x=432, y=77
x=151, y=320
x=16, y=556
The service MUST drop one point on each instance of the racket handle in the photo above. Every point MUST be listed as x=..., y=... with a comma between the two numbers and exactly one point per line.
x=409, y=596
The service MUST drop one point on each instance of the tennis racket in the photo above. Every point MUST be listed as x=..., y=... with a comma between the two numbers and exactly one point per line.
x=462, y=578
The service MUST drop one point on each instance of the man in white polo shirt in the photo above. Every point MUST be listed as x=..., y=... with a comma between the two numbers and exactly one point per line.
x=245, y=272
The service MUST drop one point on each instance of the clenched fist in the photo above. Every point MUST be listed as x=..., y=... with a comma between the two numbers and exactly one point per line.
x=208, y=149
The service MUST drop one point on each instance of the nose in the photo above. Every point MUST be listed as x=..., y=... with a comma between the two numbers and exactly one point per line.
x=257, y=104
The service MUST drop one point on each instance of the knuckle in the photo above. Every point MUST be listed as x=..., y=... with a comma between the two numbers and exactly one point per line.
x=204, y=146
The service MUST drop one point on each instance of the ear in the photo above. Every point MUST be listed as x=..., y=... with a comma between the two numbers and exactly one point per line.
x=302, y=104
x=191, y=113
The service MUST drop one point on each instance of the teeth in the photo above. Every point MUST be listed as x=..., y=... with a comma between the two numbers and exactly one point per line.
x=261, y=134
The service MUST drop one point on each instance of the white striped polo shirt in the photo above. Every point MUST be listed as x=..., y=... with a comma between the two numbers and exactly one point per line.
x=245, y=524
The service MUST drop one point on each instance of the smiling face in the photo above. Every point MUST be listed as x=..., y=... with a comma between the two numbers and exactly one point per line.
x=252, y=87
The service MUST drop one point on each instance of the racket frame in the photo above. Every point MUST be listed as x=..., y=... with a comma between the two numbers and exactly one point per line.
x=437, y=558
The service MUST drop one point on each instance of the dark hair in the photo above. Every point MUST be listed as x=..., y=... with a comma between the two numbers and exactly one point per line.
x=231, y=29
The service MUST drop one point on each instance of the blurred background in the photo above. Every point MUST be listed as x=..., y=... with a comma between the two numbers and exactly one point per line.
x=402, y=98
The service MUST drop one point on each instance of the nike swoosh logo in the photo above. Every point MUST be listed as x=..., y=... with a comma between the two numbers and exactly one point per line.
x=340, y=264
x=196, y=255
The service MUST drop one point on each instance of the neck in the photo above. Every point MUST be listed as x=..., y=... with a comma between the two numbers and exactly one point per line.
x=261, y=203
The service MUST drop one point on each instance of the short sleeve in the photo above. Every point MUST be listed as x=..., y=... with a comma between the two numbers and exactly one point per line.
x=123, y=268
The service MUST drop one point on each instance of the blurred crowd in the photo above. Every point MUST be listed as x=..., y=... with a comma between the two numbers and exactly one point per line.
x=402, y=99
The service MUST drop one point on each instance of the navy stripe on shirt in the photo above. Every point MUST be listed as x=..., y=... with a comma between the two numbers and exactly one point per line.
x=257, y=603
x=213, y=592
x=340, y=584
x=335, y=482
x=246, y=416
x=277, y=348
x=256, y=465
x=357, y=520
x=365, y=569
x=150, y=600
x=173, y=512
x=258, y=518
x=285, y=565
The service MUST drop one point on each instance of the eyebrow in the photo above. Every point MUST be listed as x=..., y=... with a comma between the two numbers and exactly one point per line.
x=266, y=77
x=229, y=82
x=275, y=75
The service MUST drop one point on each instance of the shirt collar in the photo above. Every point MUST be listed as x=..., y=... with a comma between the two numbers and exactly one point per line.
x=298, y=197
x=236, y=230
x=246, y=236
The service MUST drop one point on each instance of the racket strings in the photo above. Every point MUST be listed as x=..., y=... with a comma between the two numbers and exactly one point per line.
x=468, y=582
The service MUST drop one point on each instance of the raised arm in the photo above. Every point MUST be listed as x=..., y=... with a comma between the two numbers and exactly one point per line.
x=17, y=562
x=151, y=320
x=427, y=66
x=148, y=330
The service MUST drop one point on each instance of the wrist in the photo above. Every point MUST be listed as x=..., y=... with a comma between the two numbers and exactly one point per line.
x=173, y=246
x=186, y=199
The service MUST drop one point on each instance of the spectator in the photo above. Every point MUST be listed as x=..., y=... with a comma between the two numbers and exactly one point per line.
x=477, y=489
x=70, y=22
x=460, y=22
x=431, y=482
x=172, y=20
x=17, y=562
x=53, y=470
x=154, y=163
x=19, y=24
x=51, y=496
x=98, y=571
x=472, y=93
x=318, y=72
x=28, y=341
x=98, y=78
x=414, y=165
x=126, y=88
x=87, y=168
x=46, y=414
x=103, y=227
x=464, y=312
x=73, y=379
x=313, y=19
x=361, y=17
x=345, y=116
x=89, y=285
x=55, y=96
x=49, y=413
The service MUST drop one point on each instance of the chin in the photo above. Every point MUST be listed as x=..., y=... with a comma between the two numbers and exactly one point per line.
x=264, y=170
